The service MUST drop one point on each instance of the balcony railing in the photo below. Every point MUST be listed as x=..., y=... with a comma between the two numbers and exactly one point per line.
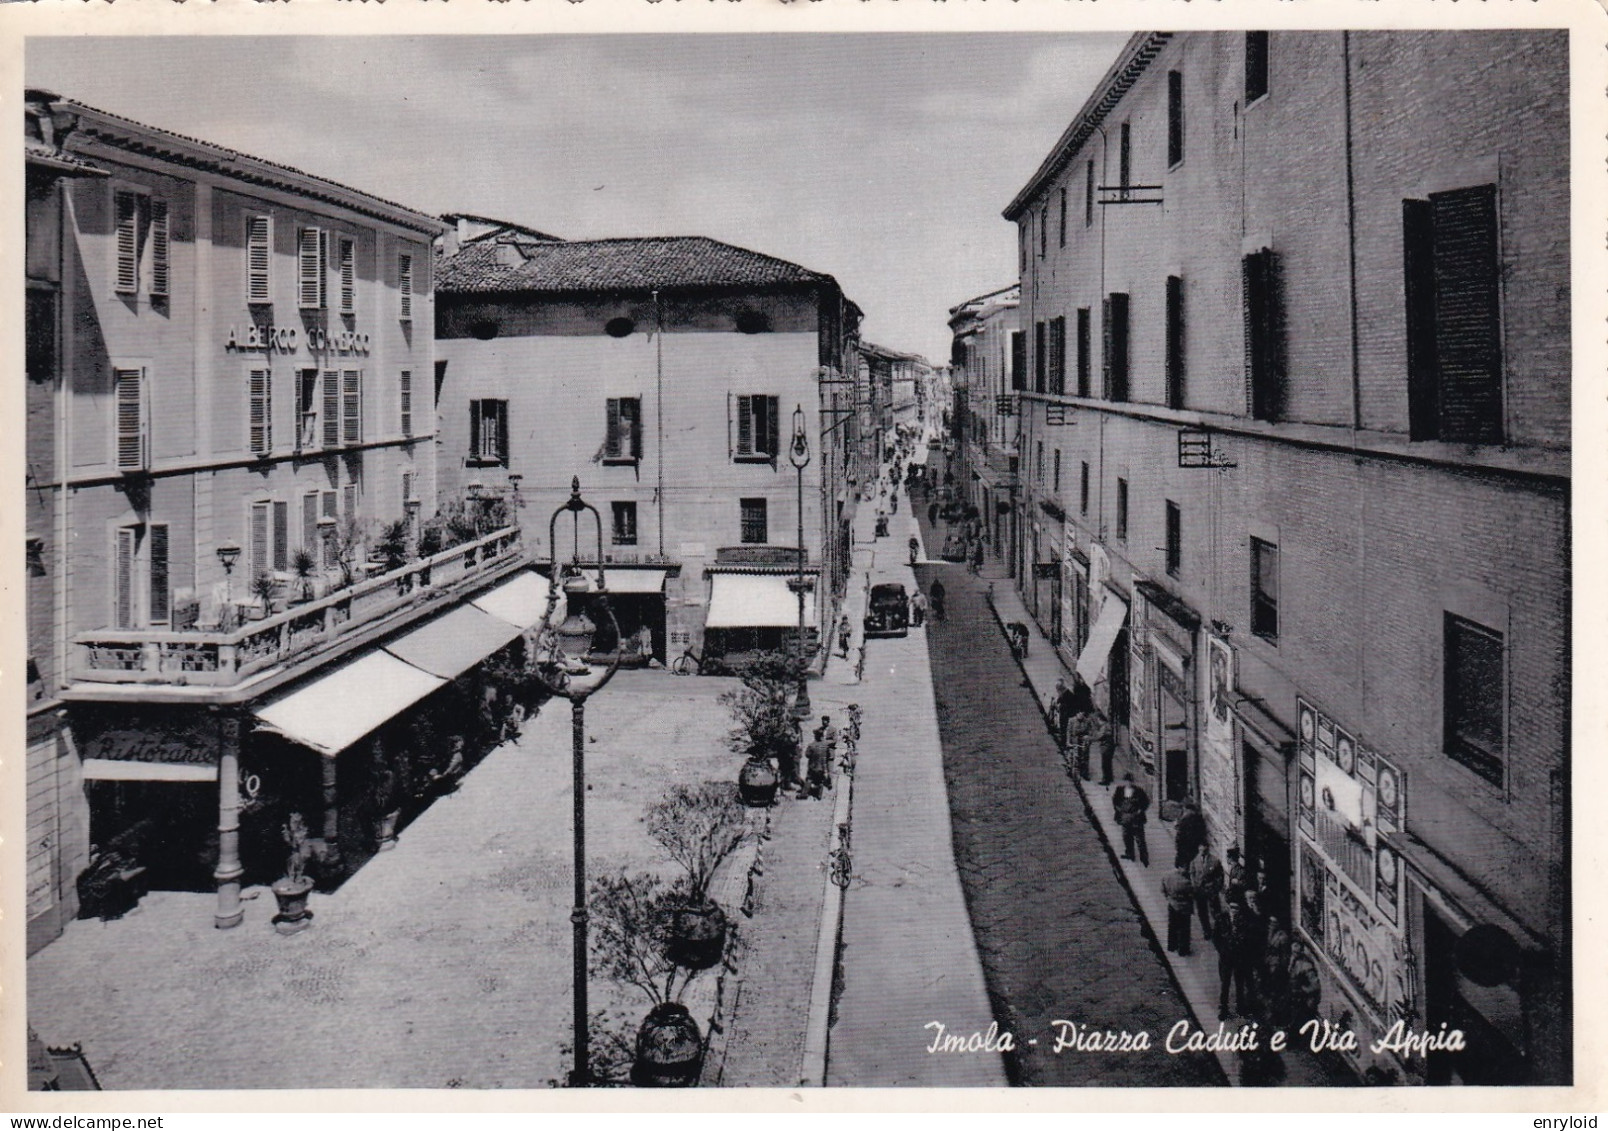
x=214, y=658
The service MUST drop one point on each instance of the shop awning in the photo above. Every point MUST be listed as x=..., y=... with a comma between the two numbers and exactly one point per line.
x=119, y=769
x=335, y=710
x=741, y=600
x=453, y=643
x=1092, y=660
x=522, y=602
x=627, y=581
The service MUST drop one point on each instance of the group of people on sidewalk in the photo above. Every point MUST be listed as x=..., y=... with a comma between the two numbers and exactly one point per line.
x=816, y=762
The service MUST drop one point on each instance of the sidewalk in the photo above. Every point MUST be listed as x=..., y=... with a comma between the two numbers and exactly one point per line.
x=907, y=955
x=1195, y=974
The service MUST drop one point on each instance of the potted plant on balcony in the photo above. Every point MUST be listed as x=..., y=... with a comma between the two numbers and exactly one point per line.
x=262, y=588
x=391, y=547
x=291, y=889
x=630, y=916
x=303, y=565
x=699, y=826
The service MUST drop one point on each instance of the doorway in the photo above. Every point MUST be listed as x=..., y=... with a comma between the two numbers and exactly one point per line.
x=1173, y=704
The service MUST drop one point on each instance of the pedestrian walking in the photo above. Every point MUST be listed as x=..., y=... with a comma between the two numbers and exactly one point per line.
x=1104, y=740
x=1131, y=804
x=1052, y=709
x=1276, y=972
x=820, y=765
x=1206, y=877
x=1189, y=833
x=1180, y=906
x=787, y=758
x=977, y=556
x=937, y=599
x=829, y=732
x=1234, y=942
x=932, y=513
x=1237, y=880
x=918, y=608
x=1075, y=703
x=845, y=631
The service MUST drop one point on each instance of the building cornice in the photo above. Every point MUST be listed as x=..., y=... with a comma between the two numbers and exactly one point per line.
x=1140, y=50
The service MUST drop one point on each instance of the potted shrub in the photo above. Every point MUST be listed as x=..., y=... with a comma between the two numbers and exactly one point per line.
x=303, y=565
x=765, y=730
x=699, y=826
x=630, y=916
x=263, y=588
x=391, y=548
x=292, y=888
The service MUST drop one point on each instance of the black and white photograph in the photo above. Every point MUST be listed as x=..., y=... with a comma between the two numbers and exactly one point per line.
x=800, y=555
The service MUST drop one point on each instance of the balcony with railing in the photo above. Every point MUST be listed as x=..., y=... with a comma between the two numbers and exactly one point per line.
x=222, y=665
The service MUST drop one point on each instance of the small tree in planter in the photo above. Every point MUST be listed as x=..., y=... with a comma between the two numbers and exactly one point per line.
x=391, y=547
x=264, y=589
x=699, y=826
x=765, y=730
x=630, y=916
x=291, y=890
x=304, y=565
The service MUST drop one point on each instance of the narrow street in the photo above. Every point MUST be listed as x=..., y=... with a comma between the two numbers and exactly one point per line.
x=1059, y=935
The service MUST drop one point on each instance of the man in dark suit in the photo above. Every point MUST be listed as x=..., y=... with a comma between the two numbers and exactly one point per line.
x=1131, y=804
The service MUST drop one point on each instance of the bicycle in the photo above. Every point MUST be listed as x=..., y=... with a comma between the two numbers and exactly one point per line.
x=688, y=663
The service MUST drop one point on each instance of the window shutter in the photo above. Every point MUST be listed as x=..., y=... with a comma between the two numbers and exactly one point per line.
x=1039, y=352
x=327, y=504
x=404, y=287
x=474, y=429
x=773, y=432
x=745, y=426
x=161, y=605
x=407, y=486
x=124, y=597
x=1418, y=269
x=502, y=431
x=1105, y=347
x=261, y=415
x=310, y=261
x=1468, y=345
x=128, y=262
x=611, y=443
x=348, y=267
x=1119, y=346
x=349, y=503
x=1175, y=341
x=1058, y=355
x=130, y=419
x=159, y=249
x=257, y=253
x=332, y=408
x=1083, y=351
x=352, y=406
x=281, y=535
x=405, y=388
x=310, y=523
x=259, y=540
x=1175, y=117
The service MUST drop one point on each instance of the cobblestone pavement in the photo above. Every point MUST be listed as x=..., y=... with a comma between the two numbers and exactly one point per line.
x=1059, y=935
x=443, y=963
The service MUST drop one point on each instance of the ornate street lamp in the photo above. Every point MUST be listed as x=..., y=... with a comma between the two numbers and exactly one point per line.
x=799, y=455
x=562, y=665
x=228, y=555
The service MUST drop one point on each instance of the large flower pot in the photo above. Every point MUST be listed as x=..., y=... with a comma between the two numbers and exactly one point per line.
x=293, y=913
x=697, y=936
x=669, y=1049
x=387, y=831
x=756, y=782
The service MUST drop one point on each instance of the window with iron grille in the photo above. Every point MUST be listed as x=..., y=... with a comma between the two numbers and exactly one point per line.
x=625, y=523
x=758, y=429
x=1475, y=698
x=755, y=521
x=1255, y=65
x=1265, y=590
x=1175, y=538
x=1175, y=342
x=1175, y=118
x=488, y=432
x=1264, y=336
x=1114, y=355
x=623, y=436
x=1084, y=343
x=1454, y=323
x=312, y=264
x=259, y=235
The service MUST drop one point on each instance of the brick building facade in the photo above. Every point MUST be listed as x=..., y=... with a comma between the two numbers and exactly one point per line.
x=1296, y=318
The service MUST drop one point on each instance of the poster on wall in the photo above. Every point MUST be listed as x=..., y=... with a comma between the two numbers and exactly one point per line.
x=1220, y=787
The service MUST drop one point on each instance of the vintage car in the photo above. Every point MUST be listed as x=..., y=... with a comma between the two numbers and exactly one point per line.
x=887, y=611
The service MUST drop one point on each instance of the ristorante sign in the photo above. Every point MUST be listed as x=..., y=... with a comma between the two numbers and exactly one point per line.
x=286, y=339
